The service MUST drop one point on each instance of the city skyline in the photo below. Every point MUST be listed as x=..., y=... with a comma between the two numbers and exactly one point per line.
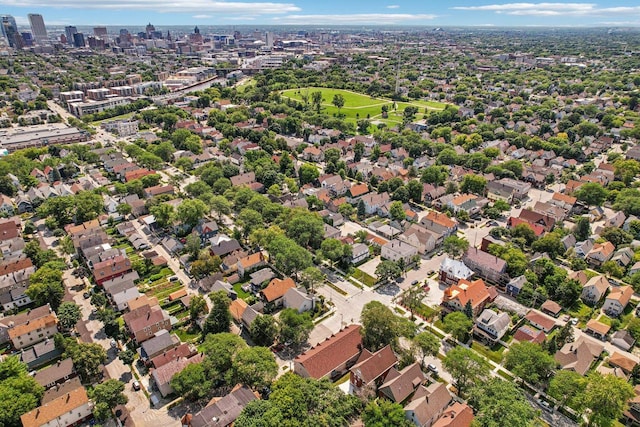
x=330, y=12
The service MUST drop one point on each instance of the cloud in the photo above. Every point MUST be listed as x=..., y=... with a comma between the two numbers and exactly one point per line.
x=202, y=16
x=167, y=6
x=393, y=6
x=552, y=9
x=358, y=18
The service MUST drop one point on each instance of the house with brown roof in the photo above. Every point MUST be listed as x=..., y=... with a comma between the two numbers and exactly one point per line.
x=55, y=374
x=455, y=415
x=551, y=308
x=487, y=266
x=356, y=191
x=33, y=331
x=274, y=292
x=529, y=334
x=312, y=154
x=623, y=362
x=400, y=385
x=456, y=297
x=371, y=369
x=183, y=350
x=332, y=357
x=546, y=221
x=428, y=404
x=617, y=300
x=579, y=355
x=597, y=329
x=110, y=268
x=142, y=323
x=158, y=190
x=540, y=321
x=623, y=339
x=250, y=262
x=243, y=179
x=71, y=408
x=594, y=289
x=600, y=253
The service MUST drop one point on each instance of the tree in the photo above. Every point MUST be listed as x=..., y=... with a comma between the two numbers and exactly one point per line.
x=332, y=249
x=387, y=270
x=264, y=330
x=414, y=188
x=163, y=213
x=435, y=175
x=219, y=319
x=316, y=100
x=591, y=193
x=127, y=356
x=50, y=292
x=106, y=397
x=383, y=413
x=294, y=327
x=616, y=235
x=68, y=315
x=311, y=278
x=582, y=229
x=190, y=211
x=361, y=209
x=475, y=184
x=412, y=299
x=426, y=344
x=249, y=220
x=338, y=101
x=221, y=350
x=500, y=403
x=397, y=211
x=379, y=326
x=254, y=366
x=626, y=170
x=124, y=209
x=458, y=325
x=197, y=307
x=530, y=362
x=308, y=173
x=455, y=246
x=220, y=205
x=192, y=245
x=192, y=382
x=568, y=388
x=19, y=392
x=606, y=396
x=87, y=358
x=466, y=367
x=549, y=243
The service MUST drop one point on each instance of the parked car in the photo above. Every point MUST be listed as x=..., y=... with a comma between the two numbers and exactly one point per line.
x=113, y=343
x=415, y=282
x=86, y=295
x=433, y=368
x=136, y=385
x=173, y=278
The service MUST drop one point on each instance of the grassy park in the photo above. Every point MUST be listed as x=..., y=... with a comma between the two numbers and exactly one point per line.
x=358, y=106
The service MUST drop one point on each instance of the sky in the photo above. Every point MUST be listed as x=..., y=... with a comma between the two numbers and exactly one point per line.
x=432, y=13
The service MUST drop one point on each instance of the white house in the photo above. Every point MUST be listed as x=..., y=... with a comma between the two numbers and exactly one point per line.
x=359, y=253
x=492, y=325
x=617, y=300
x=298, y=299
x=396, y=250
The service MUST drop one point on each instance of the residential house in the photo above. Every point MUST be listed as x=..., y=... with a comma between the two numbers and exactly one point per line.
x=332, y=357
x=579, y=355
x=71, y=408
x=105, y=270
x=618, y=360
x=298, y=299
x=546, y=221
x=623, y=339
x=617, y=300
x=476, y=293
x=356, y=192
x=582, y=249
x=540, y=321
x=54, y=374
x=597, y=329
x=206, y=230
x=184, y=350
x=371, y=369
x=274, y=292
x=250, y=262
x=162, y=341
x=312, y=154
x=374, y=202
x=491, y=326
x=452, y=271
x=615, y=220
x=428, y=404
x=6, y=205
x=418, y=236
x=9, y=322
x=529, y=334
x=222, y=245
x=487, y=266
x=33, y=331
x=600, y=253
x=455, y=415
x=396, y=250
x=163, y=375
x=40, y=354
x=359, y=253
x=158, y=190
x=514, y=286
x=400, y=385
x=143, y=322
x=222, y=411
x=623, y=256
x=243, y=179
x=594, y=289
x=551, y=308
x=563, y=201
x=507, y=189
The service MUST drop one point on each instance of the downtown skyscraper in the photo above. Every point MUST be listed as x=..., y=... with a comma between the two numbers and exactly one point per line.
x=38, y=29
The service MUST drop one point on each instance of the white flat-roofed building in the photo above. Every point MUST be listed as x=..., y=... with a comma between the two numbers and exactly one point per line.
x=83, y=108
x=40, y=136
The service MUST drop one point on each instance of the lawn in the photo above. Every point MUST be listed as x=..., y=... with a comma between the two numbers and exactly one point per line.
x=187, y=336
x=241, y=294
x=364, y=278
x=122, y=117
x=358, y=106
x=494, y=353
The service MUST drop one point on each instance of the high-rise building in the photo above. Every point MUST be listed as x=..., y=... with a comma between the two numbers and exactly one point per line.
x=9, y=30
x=268, y=38
x=69, y=32
x=100, y=32
x=78, y=40
x=38, y=29
x=27, y=38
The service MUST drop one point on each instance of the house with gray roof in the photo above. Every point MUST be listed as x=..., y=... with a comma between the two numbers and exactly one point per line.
x=491, y=326
x=162, y=341
x=452, y=270
x=298, y=299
